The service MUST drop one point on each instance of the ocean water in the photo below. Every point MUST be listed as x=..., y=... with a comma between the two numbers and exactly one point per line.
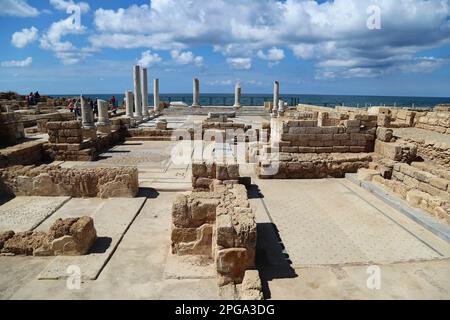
x=292, y=99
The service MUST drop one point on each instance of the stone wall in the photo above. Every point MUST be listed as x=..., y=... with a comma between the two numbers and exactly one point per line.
x=206, y=175
x=65, y=142
x=436, y=152
x=47, y=180
x=305, y=136
x=397, y=151
x=311, y=165
x=11, y=128
x=26, y=153
x=219, y=224
x=42, y=119
x=422, y=185
x=435, y=121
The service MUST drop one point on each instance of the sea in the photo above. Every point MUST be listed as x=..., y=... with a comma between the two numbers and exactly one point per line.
x=291, y=99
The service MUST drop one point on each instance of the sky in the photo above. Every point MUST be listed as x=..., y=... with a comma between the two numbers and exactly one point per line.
x=350, y=47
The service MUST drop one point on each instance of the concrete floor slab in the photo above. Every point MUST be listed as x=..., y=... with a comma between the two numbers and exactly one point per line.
x=26, y=213
x=111, y=221
x=188, y=267
x=134, y=271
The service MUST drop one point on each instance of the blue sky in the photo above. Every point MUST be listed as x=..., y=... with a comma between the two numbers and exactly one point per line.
x=311, y=47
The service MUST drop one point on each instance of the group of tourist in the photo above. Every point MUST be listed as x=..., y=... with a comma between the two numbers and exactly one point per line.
x=33, y=98
x=75, y=105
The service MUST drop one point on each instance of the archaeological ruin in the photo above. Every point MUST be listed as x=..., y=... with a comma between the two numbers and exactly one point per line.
x=238, y=202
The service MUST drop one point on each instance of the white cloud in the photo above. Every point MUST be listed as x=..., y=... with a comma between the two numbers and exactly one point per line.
x=65, y=50
x=273, y=54
x=148, y=58
x=17, y=8
x=240, y=63
x=330, y=30
x=64, y=5
x=17, y=63
x=186, y=57
x=220, y=83
x=21, y=39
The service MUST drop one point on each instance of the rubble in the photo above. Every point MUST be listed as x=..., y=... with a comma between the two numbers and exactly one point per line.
x=68, y=237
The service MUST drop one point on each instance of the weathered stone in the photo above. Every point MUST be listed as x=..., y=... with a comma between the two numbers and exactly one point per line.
x=232, y=263
x=251, y=287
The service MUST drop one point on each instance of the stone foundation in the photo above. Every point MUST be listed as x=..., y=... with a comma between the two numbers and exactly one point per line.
x=69, y=237
x=397, y=151
x=11, y=129
x=26, y=153
x=75, y=182
x=218, y=223
x=435, y=121
x=206, y=175
x=423, y=185
x=436, y=152
x=305, y=136
x=312, y=165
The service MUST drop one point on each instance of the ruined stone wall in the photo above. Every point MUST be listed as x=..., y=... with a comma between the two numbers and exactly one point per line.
x=444, y=107
x=41, y=120
x=422, y=185
x=311, y=165
x=436, y=152
x=220, y=225
x=402, y=118
x=434, y=121
x=26, y=153
x=11, y=128
x=401, y=151
x=304, y=136
x=206, y=175
x=75, y=182
x=65, y=142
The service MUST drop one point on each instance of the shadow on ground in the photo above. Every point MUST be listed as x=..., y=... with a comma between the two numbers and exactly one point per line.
x=101, y=245
x=272, y=260
x=148, y=193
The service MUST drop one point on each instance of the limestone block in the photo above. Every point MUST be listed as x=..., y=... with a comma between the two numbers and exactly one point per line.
x=232, y=263
x=384, y=134
x=201, y=243
x=180, y=212
x=73, y=236
x=367, y=174
x=251, y=288
x=415, y=197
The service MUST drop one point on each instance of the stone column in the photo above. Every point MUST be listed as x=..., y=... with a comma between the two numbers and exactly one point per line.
x=137, y=93
x=145, y=113
x=87, y=114
x=129, y=104
x=156, y=95
x=103, y=123
x=276, y=95
x=196, y=96
x=237, y=96
x=103, y=115
x=280, y=108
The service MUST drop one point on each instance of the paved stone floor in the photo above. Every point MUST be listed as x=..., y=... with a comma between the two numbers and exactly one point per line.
x=316, y=240
x=418, y=134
